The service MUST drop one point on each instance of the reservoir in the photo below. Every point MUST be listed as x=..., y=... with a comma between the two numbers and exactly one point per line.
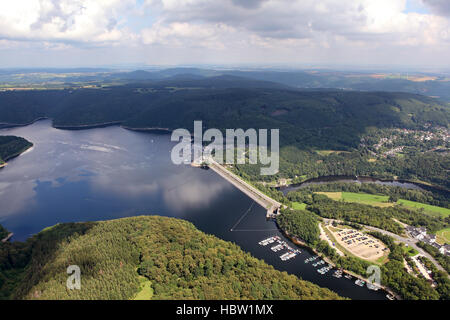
x=109, y=173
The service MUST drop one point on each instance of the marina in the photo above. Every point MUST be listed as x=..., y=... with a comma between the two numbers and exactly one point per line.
x=321, y=262
x=324, y=269
x=313, y=258
x=281, y=245
x=337, y=274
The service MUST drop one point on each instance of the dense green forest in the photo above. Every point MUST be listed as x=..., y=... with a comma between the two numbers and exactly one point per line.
x=179, y=261
x=301, y=223
x=325, y=118
x=11, y=146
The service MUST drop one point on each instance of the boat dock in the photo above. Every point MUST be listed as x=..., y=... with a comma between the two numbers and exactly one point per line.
x=281, y=245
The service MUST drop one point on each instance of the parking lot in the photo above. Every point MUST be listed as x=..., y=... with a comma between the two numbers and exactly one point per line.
x=360, y=244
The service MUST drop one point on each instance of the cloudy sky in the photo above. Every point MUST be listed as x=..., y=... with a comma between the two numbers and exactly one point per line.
x=229, y=32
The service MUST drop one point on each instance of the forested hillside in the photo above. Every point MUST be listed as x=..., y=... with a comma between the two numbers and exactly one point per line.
x=11, y=146
x=175, y=259
x=343, y=124
x=328, y=119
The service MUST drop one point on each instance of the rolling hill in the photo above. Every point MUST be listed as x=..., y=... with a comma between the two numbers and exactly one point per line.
x=145, y=257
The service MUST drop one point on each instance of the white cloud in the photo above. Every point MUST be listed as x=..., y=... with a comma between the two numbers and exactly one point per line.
x=287, y=19
x=63, y=20
x=439, y=7
x=176, y=31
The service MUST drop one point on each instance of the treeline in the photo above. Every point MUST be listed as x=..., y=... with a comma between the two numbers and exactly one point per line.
x=11, y=146
x=355, y=212
x=179, y=261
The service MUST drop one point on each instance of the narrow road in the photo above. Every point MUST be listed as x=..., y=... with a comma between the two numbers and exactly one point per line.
x=410, y=242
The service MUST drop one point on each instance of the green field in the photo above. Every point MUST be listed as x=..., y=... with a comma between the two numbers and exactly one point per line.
x=146, y=292
x=298, y=205
x=410, y=251
x=382, y=201
x=371, y=199
x=433, y=210
x=443, y=236
x=364, y=198
x=328, y=152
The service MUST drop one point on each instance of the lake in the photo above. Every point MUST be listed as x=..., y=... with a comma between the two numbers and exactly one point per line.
x=109, y=173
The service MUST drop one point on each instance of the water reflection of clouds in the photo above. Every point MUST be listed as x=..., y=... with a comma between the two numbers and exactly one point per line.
x=179, y=191
x=53, y=160
x=128, y=165
x=124, y=184
x=16, y=196
x=194, y=194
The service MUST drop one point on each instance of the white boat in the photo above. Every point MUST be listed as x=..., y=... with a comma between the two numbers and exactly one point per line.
x=373, y=287
x=360, y=282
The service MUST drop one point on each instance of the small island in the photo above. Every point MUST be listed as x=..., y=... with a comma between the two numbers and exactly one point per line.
x=12, y=146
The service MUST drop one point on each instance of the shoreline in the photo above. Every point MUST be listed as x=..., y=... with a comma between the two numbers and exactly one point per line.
x=86, y=126
x=148, y=129
x=6, y=125
x=27, y=149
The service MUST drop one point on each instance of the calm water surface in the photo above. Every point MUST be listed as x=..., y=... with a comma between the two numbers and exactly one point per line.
x=109, y=173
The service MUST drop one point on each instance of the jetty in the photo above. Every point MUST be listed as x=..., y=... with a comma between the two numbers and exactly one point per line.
x=9, y=236
x=272, y=206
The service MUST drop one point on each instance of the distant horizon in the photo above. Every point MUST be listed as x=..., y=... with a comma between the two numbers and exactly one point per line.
x=248, y=67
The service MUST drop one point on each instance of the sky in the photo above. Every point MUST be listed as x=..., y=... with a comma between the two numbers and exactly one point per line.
x=291, y=33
